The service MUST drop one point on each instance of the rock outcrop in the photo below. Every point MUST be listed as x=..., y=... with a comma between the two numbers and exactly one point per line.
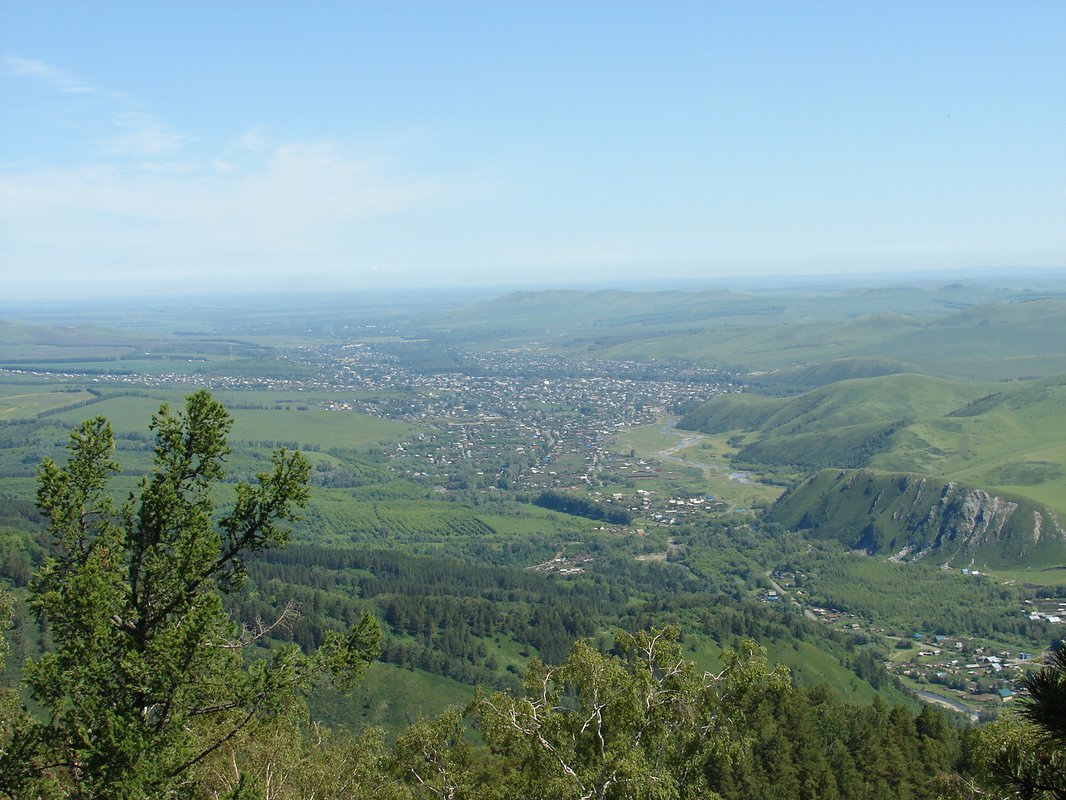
x=913, y=517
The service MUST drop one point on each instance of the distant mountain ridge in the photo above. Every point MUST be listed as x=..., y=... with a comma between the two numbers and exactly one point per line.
x=792, y=341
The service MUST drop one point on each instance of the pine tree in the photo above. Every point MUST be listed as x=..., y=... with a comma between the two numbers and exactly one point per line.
x=148, y=675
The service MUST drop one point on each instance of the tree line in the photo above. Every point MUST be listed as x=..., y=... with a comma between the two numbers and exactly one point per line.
x=582, y=507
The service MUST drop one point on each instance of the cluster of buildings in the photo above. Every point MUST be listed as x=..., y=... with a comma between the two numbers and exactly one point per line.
x=529, y=432
x=957, y=666
x=978, y=672
x=1050, y=609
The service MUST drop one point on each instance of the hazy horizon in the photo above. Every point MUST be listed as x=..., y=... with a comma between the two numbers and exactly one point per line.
x=1031, y=279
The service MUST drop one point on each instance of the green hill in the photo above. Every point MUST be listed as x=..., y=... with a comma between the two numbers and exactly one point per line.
x=991, y=342
x=997, y=461
x=839, y=369
x=1011, y=440
x=802, y=340
x=912, y=517
x=805, y=337
x=844, y=424
x=729, y=412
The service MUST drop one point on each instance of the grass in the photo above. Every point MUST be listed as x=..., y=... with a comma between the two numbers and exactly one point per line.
x=647, y=439
x=387, y=696
x=999, y=340
x=325, y=429
x=651, y=442
x=312, y=427
x=1043, y=576
x=26, y=401
x=810, y=666
x=1008, y=438
x=535, y=520
x=126, y=413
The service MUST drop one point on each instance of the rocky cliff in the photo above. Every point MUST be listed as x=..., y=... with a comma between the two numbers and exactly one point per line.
x=911, y=517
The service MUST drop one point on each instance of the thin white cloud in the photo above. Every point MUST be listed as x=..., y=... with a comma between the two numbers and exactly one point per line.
x=54, y=76
x=124, y=129
x=296, y=202
x=141, y=135
x=250, y=143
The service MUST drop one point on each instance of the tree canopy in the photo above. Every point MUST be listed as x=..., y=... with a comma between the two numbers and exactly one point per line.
x=147, y=674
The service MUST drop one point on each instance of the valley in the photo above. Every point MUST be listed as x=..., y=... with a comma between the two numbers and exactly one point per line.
x=687, y=486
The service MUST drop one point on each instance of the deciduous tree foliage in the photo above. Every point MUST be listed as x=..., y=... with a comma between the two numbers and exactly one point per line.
x=148, y=675
x=641, y=724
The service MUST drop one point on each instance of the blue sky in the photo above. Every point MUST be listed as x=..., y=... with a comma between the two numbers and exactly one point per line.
x=329, y=145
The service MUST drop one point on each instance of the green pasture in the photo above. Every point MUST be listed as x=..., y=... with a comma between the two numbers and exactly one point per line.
x=126, y=413
x=1015, y=441
x=317, y=427
x=715, y=448
x=335, y=516
x=23, y=488
x=535, y=520
x=308, y=427
x=282, y=399
x=1036, y=576
x=647, y=439
x=27, y=401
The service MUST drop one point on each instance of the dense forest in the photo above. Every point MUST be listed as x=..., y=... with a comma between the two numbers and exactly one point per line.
x=582, y=507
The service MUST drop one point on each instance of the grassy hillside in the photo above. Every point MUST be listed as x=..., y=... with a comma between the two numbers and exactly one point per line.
x=993, y=342
x=1011, y=440
x=914, y=517
x=798, y=339
x=803, y=378
x=731, y=412
x=844, y=424
x=976, y=445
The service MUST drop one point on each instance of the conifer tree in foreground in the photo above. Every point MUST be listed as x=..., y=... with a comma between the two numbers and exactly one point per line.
x=148, y=675
x=1025, y=754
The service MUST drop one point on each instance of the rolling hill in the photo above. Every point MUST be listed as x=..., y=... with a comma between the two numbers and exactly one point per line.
x=995, y=462
x=804, y=338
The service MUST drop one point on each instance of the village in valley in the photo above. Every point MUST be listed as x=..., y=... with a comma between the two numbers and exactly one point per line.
x=499, y=424
x=971, y=675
